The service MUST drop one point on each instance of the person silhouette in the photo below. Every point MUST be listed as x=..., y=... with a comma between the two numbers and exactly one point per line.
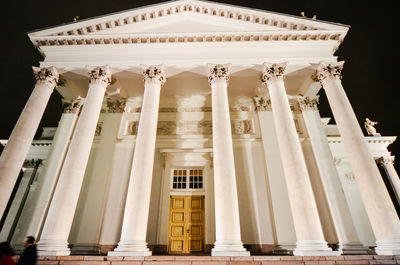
x=6, y=254
x=29, y=254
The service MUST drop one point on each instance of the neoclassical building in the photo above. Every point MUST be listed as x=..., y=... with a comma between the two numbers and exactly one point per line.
x=193, y=127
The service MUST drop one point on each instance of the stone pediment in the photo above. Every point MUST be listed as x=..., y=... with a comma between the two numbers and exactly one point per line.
x=188, y=21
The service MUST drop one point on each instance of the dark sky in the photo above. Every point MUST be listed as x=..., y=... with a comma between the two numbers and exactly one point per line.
x=369, y=50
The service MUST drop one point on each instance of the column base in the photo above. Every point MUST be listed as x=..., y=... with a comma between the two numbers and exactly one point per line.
x=229, y=248
x=283, y=249
x=131, y=248
x=351, y=248
x=313, y=248
x=388, y=247
x=52, y=247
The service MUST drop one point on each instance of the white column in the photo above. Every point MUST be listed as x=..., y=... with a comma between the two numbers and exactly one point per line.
x=20, y=140
x=338, y=206
x=134, y=226
x=38, y=204
x=310, y=238
x=227, y=226
x=382, y=215
x=62, y=209
x=283, y=220
x=387, y=163
x=53, y=164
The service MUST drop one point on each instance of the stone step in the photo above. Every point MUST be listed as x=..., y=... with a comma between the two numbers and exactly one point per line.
x=209, y=260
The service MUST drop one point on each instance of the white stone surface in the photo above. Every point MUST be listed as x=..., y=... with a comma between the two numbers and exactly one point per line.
x=283, y=220
x=227, y=222
x=302, y=202
x=14, y=153
x=387, y=163
x=134, y=226
x=62, y=208
x=185, y=36
x=337, y=203
x=382, y=215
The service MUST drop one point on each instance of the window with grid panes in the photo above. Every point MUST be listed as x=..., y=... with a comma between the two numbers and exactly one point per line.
x=184, y=179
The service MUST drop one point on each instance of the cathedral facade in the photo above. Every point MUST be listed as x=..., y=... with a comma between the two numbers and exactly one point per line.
x=193, y=127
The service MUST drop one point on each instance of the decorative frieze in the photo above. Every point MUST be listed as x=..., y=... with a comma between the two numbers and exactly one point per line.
x=48, y=76
x=350, y=178
x=262, y=103
x=240, y=127
x=115, y=105
x=100, y=75
x=218, y=72
x=306, y=103
x=99, y=127
x=132, y=128
x=330, y=70
x=153, y=73
x=243, y=104
x=273, y=71
x=74, y=106
x=337, y=161
x=204, y=127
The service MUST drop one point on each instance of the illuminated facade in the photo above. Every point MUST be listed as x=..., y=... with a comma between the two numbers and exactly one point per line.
x=193, y=127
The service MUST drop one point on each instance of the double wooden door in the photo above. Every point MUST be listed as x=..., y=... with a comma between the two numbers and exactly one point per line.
x=186, y=224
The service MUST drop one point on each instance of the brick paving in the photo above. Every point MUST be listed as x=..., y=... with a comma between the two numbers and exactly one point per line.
x=209, y=260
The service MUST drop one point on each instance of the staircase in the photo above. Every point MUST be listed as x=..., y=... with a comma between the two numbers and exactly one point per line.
x=209, y=260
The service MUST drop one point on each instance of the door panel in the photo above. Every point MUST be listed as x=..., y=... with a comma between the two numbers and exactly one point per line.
x=186, y=224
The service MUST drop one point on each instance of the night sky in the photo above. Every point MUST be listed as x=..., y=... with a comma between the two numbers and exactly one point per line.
x=369, y=50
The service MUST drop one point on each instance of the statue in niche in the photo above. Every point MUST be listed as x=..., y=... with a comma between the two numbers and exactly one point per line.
x=369, y=126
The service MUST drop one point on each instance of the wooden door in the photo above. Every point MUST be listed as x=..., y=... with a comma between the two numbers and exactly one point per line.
x=186, y=225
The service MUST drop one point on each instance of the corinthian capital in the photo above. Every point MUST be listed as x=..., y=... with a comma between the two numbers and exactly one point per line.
x=273, y=71
x=218, y=72
x=306, y=103
x=329, y=70
x=48, y=76
x=74, y=106
x=153, y=73
x=99, y=75
x=386, y=160
x=262, y=103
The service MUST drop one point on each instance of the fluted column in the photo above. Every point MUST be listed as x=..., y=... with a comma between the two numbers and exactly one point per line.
x=134, y=226
x=59, y=219
x=387, y=163
x=20, y=140
x=310, y=238
x=227, y=227
x=349, y=242
x=382, y=215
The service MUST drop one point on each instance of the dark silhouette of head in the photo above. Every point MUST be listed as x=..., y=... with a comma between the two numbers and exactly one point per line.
x=29, y=240
x=6, y=249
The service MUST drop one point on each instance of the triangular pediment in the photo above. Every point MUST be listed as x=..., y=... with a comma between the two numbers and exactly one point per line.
x=188, y=21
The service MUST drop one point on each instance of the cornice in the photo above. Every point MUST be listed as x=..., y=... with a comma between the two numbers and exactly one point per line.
x=371, y=140
x=34, y=142
x=198, y=37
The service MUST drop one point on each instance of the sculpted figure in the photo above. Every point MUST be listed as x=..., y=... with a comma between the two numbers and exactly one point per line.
x=369, y=126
